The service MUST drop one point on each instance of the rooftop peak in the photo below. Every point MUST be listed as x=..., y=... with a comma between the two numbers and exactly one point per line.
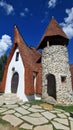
x=54, y=34
x=15, y=26
x=52, y=17
x=17, y=36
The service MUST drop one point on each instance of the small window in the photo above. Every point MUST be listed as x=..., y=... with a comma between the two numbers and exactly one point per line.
x=63, y=79
x=17, y=56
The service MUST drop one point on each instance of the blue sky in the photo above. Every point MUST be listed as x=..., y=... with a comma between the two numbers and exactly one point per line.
x=32, y=18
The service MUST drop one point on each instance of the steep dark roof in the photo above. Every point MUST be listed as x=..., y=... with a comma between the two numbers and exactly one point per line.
x=53, y=33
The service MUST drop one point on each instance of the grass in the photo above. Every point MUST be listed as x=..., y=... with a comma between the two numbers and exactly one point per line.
x=1, y=94
x=3, y=122
x=35, y=102
x=54, y=128
x=65, y=108
x=21, y=129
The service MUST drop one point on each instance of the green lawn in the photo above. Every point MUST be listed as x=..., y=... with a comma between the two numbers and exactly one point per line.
x=65, y=108
x=35, y=102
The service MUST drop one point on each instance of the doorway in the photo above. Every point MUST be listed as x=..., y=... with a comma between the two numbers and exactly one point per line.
x=14, y=82
x=51, y=85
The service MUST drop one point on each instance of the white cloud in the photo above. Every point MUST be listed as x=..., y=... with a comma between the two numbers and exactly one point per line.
x=45, y=17
x=5, y=43
x=22, y=14
x=25, y=13
x=7, y=7
x=68, y=23
x=26, y=10
x=52, y=3
x=69, y=19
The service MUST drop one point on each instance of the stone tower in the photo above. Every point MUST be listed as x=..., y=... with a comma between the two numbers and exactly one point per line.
x=56, y=77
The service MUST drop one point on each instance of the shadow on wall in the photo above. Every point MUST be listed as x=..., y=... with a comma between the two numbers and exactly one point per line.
x=30, y=98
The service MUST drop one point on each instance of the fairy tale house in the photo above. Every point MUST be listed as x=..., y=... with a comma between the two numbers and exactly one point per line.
x=23, y=70
x=32, y=75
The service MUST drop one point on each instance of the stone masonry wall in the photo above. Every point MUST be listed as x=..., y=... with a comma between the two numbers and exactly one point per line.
x=55, y=61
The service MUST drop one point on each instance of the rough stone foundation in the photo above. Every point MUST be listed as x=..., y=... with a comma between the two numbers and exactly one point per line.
x=55, y=61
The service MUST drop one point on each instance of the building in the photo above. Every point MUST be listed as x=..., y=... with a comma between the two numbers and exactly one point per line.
x=23, y=70
x=56, y=74
x=30, y=78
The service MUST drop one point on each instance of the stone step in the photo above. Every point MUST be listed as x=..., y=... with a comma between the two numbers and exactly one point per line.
x=9, y=95
x=9, y=98
x=10, y=102
x=1, y=100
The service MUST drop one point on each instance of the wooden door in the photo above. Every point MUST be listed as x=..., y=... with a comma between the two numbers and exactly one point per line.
x=51, y=85
x=14, y=82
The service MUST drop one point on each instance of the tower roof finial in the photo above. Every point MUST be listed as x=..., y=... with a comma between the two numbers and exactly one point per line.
x=52, y=17
x=15, y=26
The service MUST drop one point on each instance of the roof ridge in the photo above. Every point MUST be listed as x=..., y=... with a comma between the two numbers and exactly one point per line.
x=23, y=48
x=17, y=36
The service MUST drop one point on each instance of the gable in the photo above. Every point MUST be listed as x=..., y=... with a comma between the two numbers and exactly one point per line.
x=16, y=59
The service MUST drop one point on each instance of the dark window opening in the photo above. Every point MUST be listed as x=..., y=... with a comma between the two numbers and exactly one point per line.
x=63, y=79
x=17, y=56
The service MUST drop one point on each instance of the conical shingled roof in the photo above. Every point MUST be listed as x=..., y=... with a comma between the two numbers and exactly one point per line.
x=25, y=51
x=53, y=31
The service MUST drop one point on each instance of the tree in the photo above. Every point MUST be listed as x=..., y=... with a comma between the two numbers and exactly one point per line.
x=3, y=60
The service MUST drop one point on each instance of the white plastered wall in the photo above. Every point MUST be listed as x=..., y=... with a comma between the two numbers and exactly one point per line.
x=20, y=69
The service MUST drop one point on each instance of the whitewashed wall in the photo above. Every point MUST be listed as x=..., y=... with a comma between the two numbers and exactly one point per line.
x=18, y=65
